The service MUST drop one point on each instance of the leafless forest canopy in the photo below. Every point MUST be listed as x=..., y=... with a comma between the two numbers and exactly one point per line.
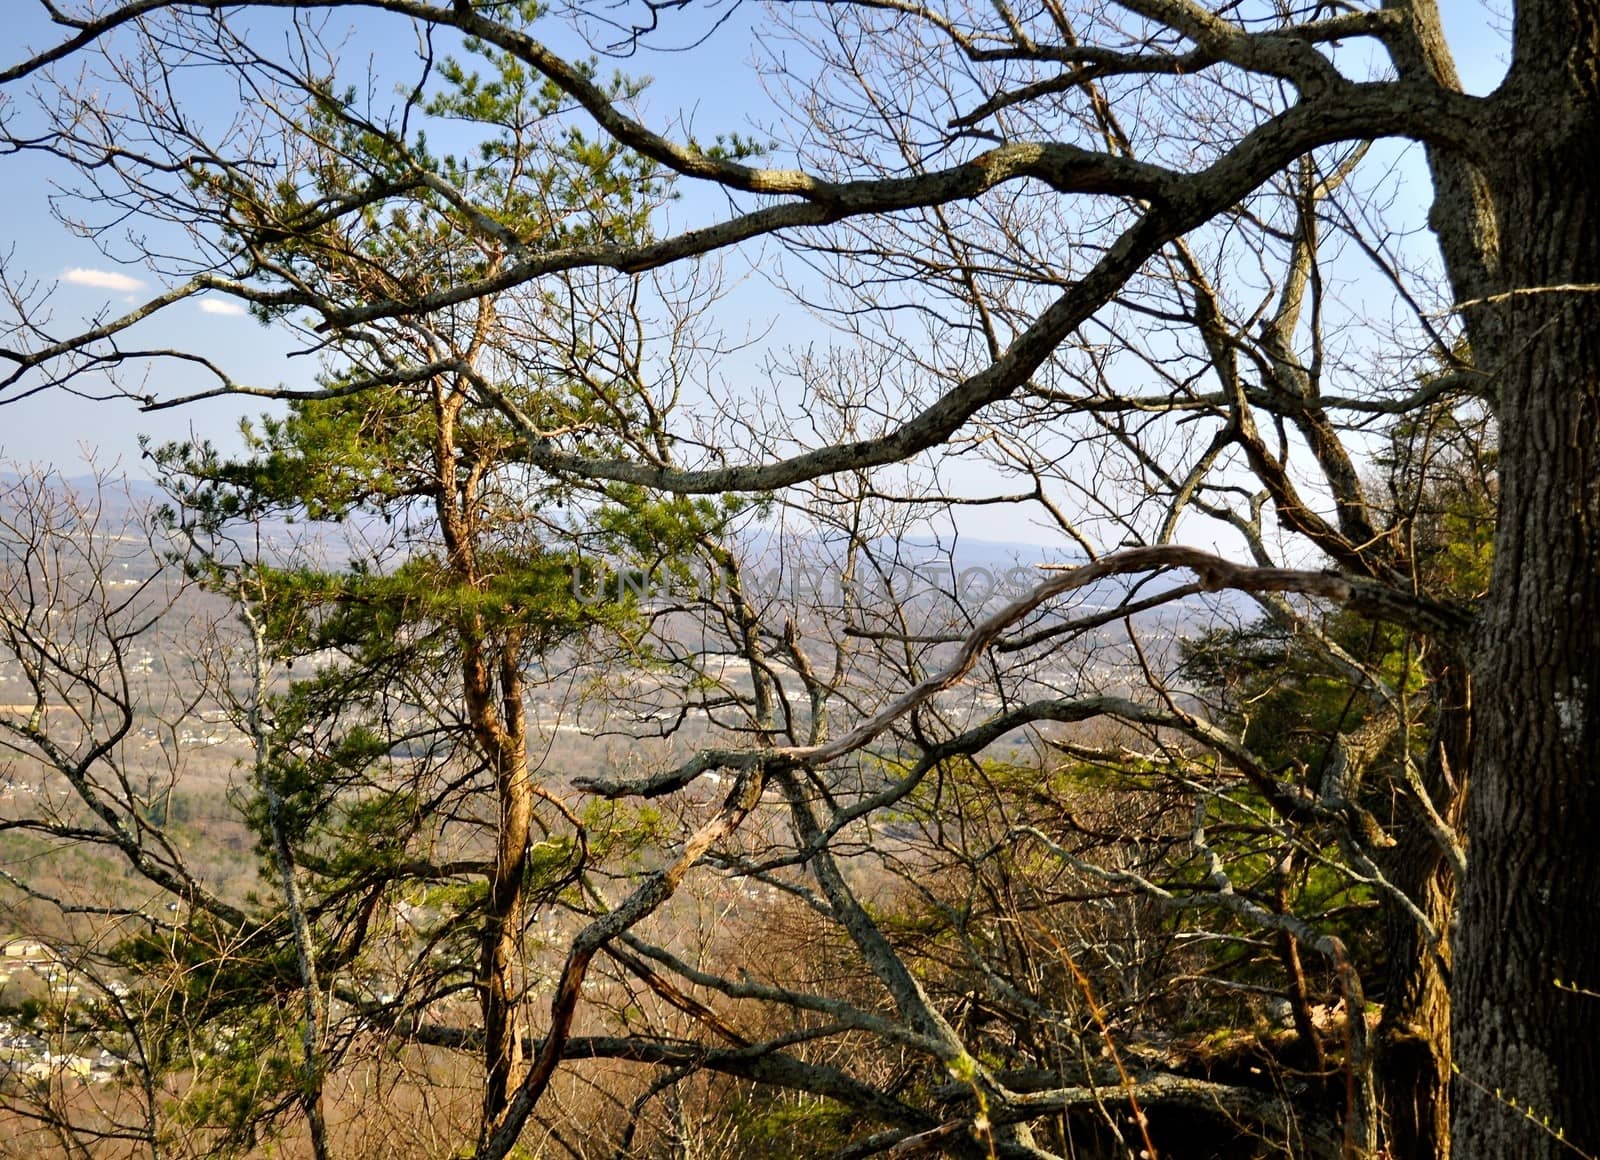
x=994, y=581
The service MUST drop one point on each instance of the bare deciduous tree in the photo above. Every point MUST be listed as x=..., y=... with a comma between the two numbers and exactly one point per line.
x=1101, y=247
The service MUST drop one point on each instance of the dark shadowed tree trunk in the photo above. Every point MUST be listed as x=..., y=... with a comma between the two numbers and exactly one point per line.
x=1526, y=1044
x=1414, y=1074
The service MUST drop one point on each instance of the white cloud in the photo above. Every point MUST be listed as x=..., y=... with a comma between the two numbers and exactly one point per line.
x=101, y=279
x=220, y=306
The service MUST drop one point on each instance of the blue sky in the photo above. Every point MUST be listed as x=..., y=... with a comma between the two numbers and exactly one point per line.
x=713, y=85
x=59, y=428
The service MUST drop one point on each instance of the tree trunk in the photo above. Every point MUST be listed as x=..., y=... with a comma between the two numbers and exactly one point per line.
x=492, y=689
x=1527, y=1044
x=503, y=956
x=1414, y=1038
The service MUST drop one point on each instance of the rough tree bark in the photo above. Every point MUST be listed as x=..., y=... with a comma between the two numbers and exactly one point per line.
x=1525, y=1044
